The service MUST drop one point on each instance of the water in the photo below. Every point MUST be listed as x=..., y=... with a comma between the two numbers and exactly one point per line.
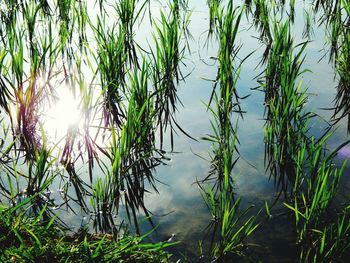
x=275, y=239
x=178, y=209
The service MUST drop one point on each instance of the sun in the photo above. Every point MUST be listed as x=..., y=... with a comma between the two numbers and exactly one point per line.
x=63, y=114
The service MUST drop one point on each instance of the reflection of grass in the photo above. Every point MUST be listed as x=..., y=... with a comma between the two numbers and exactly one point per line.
x=167, y=59
x=286, y=121
x=229, y=228
x=111, y=63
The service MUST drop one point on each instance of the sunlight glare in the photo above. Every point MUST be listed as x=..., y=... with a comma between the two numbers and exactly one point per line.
x=63, y=115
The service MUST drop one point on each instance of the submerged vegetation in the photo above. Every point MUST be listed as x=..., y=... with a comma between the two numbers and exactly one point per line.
x=127, y=65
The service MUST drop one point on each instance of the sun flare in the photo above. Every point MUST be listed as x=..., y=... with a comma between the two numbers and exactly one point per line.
x=63, y=114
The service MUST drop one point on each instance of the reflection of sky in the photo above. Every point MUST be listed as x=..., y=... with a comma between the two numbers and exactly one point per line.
x=252, y=183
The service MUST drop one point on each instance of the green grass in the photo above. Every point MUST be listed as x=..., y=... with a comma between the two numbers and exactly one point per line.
x=286, y=120
x=229, y=227
x=128, y=14
x=27, y=237
x=111, y=61
x=167, y=59
x=314, y=190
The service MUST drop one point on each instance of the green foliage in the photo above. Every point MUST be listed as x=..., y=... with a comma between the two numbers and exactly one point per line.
x=286, y=121
x=29, y=238
x=167, y=57
x=315, y=188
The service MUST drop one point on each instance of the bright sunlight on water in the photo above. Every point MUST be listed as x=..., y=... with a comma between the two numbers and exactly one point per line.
x=63, y=114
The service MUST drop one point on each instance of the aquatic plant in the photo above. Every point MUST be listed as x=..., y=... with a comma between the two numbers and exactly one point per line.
x=128, y=15
x=261, y=18
x=214, y=6
x=340, y=48
x=286, y=120
x=228, y=72
x=166, y=74
x=132, y=154
x=308, y=29
x=111, y=61
x=316, y=185
x=229, y=227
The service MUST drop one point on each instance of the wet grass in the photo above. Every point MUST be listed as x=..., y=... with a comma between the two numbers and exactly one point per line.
x=314, y=191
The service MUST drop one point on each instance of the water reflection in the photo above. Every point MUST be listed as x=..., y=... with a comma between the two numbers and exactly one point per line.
x=88, y=156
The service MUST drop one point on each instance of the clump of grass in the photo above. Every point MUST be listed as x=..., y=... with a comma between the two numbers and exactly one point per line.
x=82, y=21
x=8, y=14
x=261, y=19
x=132, y=154
x=214, y=6
x=65, y=8
x=167, y=57
x=31, y=238
x=340, y=48
x=128, y=15
x=229, y=226
x=332, y=241
x=228, y=24
x=286, y=121
x=112, y=67
x=314, y=190
x=20, y=76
